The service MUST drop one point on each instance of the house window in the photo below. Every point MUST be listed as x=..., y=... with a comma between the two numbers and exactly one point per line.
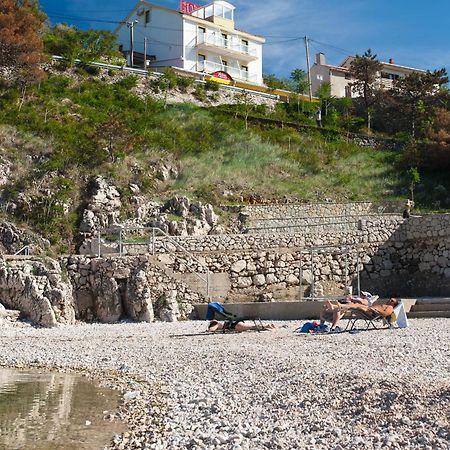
x=348, y=76
x=201, y=62
x=147, y=17
x=224, y=39
x=201, y=35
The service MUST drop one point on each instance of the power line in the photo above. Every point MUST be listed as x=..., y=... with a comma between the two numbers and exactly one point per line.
x=338, y=49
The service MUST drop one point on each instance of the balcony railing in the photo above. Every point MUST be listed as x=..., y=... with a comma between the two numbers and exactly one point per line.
x=234, y=72
x=224, y=43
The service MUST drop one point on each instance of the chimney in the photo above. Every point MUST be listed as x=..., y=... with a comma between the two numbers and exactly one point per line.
x=320, y=58
x=391, y=61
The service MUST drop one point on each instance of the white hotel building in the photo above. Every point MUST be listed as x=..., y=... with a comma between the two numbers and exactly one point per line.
x=195, y=39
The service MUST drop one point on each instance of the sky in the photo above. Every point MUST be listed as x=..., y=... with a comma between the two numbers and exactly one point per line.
x=414, y=33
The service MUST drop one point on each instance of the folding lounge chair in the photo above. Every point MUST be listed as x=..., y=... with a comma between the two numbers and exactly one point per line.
x=371, y=320
x=217, y=310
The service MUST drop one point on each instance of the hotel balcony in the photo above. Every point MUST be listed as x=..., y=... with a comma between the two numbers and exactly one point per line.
x=231, y=47
x=235, y=73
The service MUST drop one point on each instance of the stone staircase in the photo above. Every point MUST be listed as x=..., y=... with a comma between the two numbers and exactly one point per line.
x=430, y=308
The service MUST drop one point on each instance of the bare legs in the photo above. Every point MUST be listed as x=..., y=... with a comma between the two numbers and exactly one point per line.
x=244, y=327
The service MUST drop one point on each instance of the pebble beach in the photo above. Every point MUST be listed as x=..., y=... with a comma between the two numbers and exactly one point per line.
x=183, y=389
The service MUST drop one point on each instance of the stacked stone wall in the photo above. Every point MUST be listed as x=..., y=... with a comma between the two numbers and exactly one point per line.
x=391, y=254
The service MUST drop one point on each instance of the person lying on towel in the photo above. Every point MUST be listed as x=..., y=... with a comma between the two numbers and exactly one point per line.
x=215, y=325
x=337, y=310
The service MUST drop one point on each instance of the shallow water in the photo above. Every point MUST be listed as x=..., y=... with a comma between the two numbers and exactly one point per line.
x=47, y=411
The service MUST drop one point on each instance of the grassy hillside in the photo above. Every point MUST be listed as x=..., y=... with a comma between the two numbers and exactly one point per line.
x=73, y=127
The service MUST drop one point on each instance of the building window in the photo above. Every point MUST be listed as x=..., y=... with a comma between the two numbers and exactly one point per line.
x=390, y=76
x=147, y=16
x=224, y=39
x=201, y=62
x=348, y=76
x=201, y=35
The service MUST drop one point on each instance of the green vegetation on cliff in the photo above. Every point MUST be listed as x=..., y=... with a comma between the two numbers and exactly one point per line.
x=69, y=128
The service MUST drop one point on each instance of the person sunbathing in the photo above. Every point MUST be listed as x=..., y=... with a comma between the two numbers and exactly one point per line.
x=337, y=311
x=238, y=326
x=364, y=298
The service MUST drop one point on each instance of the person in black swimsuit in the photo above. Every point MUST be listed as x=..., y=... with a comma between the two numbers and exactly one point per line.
x=238, y=326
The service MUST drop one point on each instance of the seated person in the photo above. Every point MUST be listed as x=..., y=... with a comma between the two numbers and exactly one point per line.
x=365, y=298
x=338, y=310
x=215, y=325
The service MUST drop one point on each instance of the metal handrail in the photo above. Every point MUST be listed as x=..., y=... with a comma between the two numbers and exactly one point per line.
x=121, y=244
x=25, y=249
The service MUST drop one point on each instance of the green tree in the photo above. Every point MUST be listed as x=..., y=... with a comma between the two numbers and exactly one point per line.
x=365, y=70
x=21, y=48
x=85, y=45
x=324, y=94
x=417, y=92
x=273, y=82
x=414, y=179
x=300, y=83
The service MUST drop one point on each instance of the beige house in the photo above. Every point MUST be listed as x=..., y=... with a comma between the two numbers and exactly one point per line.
x=340, y=76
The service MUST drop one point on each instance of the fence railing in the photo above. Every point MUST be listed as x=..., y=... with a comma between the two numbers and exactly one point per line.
x=25, y=250
x=147, y=237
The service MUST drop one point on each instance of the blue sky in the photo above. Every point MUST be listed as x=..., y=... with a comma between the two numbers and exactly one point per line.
x=414, y=33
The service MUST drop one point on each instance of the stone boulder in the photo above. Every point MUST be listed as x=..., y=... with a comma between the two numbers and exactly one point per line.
x=169, y=310
x=37, y=289
x=107, y=299
x=138, y=304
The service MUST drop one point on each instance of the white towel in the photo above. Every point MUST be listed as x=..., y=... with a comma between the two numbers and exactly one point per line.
x=400, y=316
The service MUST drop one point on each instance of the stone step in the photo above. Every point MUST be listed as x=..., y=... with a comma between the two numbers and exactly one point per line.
x=430, y=307
x=428, y=314
x=432, y=300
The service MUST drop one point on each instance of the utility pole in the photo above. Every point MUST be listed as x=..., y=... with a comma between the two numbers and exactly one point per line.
x=308, y=68
x=130, y=25
x=145, y=53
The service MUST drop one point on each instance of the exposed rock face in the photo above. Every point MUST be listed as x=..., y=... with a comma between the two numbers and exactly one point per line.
x=128, y=288
x=37, y=289
x=13, y=239
x=139, y=296
x=177, y=217
x=104, y=207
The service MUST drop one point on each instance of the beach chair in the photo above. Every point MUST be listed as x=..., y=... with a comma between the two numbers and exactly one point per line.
x=216, y=311
x=369, y=320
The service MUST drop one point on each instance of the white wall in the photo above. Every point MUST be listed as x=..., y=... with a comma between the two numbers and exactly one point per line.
x=164, y=36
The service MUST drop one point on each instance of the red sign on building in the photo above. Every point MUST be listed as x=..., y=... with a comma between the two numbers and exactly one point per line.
x=188, y=7
x=222, y=75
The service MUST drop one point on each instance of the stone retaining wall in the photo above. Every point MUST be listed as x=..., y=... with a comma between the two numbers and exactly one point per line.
x=308, y=210
x=393, y=254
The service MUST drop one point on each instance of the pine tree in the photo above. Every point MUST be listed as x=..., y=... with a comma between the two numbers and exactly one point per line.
x=21, y=48
x=365, y=70
x=416, y=93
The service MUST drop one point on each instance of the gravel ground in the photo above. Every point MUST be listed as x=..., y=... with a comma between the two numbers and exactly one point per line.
x=387, y=389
